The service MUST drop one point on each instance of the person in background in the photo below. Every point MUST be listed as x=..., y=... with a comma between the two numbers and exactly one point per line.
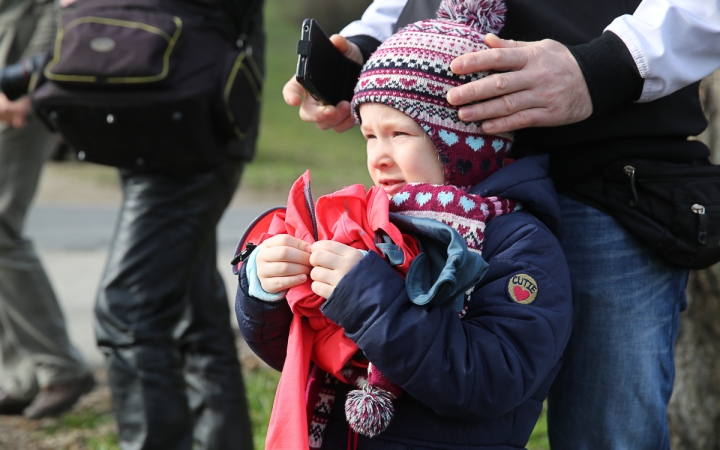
x=41, y=373
x=162, y=314
x=588, y=83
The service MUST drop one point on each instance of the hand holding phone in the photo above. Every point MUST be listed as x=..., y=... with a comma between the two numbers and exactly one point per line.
x=322, y=69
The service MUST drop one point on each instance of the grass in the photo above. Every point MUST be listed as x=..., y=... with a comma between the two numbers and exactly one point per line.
x=539, y=437
x=260, y=385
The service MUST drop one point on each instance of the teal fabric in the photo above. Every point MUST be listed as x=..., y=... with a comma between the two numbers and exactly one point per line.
x=435, y=275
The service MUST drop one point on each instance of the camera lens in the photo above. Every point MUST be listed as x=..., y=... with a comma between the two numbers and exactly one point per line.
x=15, y=79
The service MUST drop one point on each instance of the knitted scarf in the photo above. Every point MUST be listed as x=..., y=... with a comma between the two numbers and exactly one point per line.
x=465, y=213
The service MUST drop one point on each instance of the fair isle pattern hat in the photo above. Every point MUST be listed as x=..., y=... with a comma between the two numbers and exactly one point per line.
x=411, y=72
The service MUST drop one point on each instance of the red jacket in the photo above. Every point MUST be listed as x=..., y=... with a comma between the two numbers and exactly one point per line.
x=350, y=216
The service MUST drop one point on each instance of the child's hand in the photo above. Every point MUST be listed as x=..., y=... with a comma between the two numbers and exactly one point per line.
x=283, y=261
x=331, y=261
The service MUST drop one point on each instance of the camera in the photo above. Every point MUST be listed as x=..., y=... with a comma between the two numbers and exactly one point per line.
x=15, y=78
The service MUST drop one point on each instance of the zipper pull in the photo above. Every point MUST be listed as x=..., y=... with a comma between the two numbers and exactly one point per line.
x=242, y=256
x=310, y=204
x=630, y=172
x=702, y=222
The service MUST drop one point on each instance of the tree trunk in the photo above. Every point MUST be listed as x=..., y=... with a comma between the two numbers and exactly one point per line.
x=694, y=410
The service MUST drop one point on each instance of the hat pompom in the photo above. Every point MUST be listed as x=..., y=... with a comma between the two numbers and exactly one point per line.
x=369, y=410
x=486, y=16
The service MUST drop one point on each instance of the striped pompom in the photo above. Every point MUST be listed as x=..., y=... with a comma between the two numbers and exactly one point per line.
x=369, y=410
x=486, y=16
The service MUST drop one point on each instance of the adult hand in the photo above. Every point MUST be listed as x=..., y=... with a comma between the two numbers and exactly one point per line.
x=331, y=261
x=14, y=113
x=539, y=85
x=283, y=261
x=337, y=117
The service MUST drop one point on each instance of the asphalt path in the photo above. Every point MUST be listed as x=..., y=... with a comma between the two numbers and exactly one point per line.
x=73, y=243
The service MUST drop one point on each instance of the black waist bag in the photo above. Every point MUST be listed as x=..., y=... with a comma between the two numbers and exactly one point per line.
x=132, y=84
x=673, y=208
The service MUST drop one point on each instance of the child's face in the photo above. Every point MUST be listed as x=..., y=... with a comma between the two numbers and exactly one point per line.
x=398, y=150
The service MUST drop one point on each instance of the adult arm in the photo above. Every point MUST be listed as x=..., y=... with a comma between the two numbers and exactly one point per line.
x=15, y=112
x=673, y=43
x=337, y=117
x=377, y=21
x=666, y=45
x=44, y=33
x=357, y=41
x=479, y=367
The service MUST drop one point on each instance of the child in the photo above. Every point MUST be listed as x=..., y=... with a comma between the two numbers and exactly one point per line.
x=469, y=378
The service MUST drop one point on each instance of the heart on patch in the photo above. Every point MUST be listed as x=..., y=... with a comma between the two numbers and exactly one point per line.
x=498, y=145
x=475, y=143
x=423, y=197
x=382, y=81
x=448, y=137
x=400, y=198
x=467, y=204
x=522, y=288
x=445, y=197
x=521, y=293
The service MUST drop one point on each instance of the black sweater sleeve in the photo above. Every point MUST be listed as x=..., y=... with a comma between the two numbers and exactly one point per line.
x=366, y=44
x=610, y=72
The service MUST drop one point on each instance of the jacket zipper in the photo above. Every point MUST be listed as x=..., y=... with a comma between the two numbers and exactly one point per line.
x=310, y=203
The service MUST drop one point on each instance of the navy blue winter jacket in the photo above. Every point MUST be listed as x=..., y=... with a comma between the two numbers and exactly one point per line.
x=471, y=383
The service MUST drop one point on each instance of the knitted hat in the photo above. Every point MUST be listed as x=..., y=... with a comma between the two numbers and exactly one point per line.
x=411, y=72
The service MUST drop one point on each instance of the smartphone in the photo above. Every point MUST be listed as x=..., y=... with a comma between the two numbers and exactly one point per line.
x=322, y=69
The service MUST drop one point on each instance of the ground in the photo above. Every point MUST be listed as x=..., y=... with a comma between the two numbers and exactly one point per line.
x=90, y=424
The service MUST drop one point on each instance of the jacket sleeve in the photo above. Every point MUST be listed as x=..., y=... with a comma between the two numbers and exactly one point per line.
x=264, y=325
x=44, y=31
x=478, y=367
x=665, y=62
x=377, y=21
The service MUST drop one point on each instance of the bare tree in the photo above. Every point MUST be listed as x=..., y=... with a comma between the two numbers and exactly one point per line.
x=694, y=410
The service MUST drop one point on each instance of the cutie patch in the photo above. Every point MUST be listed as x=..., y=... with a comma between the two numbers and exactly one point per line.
x=522, y=288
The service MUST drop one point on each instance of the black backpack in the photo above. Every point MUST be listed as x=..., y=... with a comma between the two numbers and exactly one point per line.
x=160, y=85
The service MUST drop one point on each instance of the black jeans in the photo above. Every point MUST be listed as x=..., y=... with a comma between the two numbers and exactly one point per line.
x=163, y=318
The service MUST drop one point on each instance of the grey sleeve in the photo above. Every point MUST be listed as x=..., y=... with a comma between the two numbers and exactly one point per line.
x=44, y=34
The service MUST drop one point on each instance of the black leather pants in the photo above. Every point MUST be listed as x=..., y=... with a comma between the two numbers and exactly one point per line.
x=163, y=318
